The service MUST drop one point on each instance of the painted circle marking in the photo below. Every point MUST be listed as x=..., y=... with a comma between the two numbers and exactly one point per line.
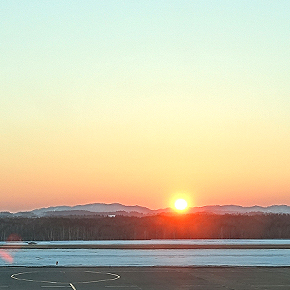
x=16, y=277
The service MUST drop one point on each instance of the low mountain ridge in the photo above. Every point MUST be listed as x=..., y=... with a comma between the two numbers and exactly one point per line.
x=237, y=209
x=94, y=208
x=120, y=209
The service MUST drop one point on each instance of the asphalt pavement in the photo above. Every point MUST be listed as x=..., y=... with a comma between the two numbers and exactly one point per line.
x=145, y=278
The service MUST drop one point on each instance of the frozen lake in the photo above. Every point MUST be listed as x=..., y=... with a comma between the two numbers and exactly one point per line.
x=149, y=257
x=169, y=242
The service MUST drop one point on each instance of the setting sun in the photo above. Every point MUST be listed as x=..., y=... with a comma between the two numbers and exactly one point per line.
x=180, y=204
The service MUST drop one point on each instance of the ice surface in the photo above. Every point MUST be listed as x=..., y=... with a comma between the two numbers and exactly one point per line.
x=156, y=257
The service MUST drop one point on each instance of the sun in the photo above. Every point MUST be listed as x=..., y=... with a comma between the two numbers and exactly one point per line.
x=180, y=204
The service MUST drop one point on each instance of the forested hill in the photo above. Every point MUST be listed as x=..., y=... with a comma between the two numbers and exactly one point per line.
x=190, y=226
x=120, y=209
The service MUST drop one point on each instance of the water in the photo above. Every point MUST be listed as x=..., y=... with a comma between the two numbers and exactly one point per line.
x=158, y=257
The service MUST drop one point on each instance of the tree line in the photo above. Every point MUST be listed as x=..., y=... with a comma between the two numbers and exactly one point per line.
x=162, y=226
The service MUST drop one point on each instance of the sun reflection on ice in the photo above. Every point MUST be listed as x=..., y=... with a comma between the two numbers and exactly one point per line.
x=12, y=245
x=6, y=256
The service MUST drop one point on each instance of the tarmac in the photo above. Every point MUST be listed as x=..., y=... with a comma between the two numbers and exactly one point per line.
x=144, y=278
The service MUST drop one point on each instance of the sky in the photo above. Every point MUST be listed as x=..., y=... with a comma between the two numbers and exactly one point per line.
x=142, y=102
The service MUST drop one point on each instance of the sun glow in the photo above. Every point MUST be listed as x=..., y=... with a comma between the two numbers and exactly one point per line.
x=180, y=204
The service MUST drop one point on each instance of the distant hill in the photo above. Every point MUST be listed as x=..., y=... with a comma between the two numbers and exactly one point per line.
x=5, y=214
x=100, y=208
x=236, y=209
x=86, y=213
x=120, y=209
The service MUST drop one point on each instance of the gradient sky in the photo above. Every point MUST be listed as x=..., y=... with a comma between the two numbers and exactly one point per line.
x=139, y=102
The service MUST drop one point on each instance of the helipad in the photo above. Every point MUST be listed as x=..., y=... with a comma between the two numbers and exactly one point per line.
x=145, y=278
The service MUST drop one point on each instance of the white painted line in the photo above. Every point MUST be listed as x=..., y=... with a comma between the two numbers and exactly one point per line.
x=101, y=280
x=113, y=277
x=14, y=276
x=55, y=286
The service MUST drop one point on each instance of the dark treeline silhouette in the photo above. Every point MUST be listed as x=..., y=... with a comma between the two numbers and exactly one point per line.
x=190, y=226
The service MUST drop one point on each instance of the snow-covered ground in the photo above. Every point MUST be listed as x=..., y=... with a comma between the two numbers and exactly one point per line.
x=158, y=257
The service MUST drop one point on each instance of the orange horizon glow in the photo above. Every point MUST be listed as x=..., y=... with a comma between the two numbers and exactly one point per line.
x=144, y=102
